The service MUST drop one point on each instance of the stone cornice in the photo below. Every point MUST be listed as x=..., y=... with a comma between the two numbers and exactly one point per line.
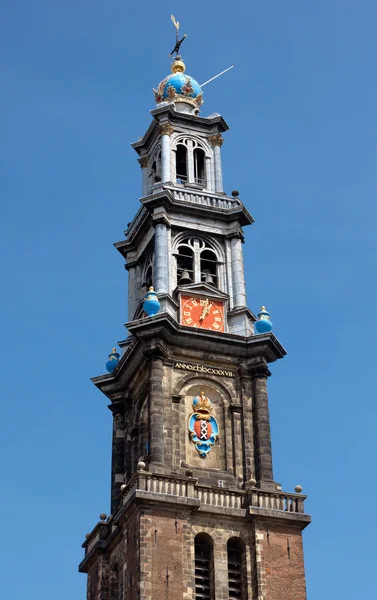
x=208, y=125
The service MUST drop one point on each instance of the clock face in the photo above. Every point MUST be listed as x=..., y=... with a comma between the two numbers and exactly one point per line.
x=203, y=313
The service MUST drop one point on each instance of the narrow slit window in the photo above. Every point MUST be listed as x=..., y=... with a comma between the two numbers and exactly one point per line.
x=199, y=166
x=181, y=163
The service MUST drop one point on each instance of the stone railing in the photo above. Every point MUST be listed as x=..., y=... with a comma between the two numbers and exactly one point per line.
x=173, y=486
x=220, y=497
x=136, y=221
x=203, y=198
x=196, y=197
x=188, y=487
x=92, y=542
x=277, y=501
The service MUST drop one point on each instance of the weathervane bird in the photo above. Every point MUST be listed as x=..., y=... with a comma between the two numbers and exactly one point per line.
x=177, y=41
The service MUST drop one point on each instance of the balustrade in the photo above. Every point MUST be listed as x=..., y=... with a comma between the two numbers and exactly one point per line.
x=188, y=487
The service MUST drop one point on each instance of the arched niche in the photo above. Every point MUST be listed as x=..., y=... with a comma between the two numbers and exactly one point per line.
x=220, y=456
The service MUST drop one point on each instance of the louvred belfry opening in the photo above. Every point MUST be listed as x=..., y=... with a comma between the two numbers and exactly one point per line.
x=235, y=555
x=203, y=560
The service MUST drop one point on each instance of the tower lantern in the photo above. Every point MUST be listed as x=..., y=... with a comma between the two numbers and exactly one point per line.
x=196, y=512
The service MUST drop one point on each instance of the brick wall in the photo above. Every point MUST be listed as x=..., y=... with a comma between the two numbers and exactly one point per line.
x=279, y=562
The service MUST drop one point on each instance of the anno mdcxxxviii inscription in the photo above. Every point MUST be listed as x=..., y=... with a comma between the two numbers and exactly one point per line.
x=203, y=369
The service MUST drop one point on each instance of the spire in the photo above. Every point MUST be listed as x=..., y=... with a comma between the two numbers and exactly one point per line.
x=178, y=88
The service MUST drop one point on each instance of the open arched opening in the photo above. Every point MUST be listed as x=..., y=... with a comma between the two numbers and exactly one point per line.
x=236, y=568
x=181, y=163
x=185, y=265
x=200, y=166
x=204, y=573
x=208, y=267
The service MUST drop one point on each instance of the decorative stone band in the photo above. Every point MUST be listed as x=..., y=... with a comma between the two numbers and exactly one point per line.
x=216, y=140
x=203, y=369
x=143, y=161
x=166, y=129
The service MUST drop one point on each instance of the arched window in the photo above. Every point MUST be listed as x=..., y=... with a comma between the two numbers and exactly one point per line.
x=185, y=265
x=236, y=568
x=204, y=576
x=155, y=169
x=199, y=166
x=148, y=277
x=208, y=267
x=181, y=163
x=197, y=261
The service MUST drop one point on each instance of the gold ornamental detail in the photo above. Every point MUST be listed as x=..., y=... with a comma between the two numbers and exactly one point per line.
x=166, y=129
x=216, y=140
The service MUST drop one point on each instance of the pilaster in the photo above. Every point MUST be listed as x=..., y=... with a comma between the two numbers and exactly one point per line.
x=156, y=410
x=262, y=433
x=117, y=467
x=143, y=162
x=165, y=130
x=216, y=142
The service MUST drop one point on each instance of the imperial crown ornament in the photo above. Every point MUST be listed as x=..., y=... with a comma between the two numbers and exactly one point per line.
x=203, y=427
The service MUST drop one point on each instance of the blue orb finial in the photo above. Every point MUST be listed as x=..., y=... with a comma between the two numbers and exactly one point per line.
x=263, y=325
x=113, y=361
x=151, y=304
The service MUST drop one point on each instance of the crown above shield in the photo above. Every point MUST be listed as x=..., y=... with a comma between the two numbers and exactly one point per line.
x=202, y=404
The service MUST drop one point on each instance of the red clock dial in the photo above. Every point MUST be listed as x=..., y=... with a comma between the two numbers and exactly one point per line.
x=203, y=313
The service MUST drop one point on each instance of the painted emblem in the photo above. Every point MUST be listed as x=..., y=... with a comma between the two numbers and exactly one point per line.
x=203, y=427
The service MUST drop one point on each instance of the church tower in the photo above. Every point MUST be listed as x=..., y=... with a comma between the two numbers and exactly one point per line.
x=196, y=512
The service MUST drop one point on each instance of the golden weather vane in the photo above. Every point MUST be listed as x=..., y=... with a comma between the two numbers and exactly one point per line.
x=177, y=41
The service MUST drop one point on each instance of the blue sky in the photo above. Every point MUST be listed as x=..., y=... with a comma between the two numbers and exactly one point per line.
x=76, y=88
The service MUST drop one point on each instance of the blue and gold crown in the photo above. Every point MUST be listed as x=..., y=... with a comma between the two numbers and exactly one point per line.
x=202, y=404
x=179, y=87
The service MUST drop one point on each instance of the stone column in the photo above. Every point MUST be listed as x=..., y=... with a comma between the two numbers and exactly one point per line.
x=190, y=163
x=238, y=274
x=133, y=290
x=156, y=411
x=161, y=259
x=143, y=162
x=217, y=141
x=208, y=173
x=165, y=130
x=117, y=462
x=262, y=434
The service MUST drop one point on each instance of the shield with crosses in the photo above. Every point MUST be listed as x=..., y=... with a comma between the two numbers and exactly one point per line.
x=203, y=427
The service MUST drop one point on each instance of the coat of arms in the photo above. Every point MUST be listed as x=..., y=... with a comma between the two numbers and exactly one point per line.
x=203, y=427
